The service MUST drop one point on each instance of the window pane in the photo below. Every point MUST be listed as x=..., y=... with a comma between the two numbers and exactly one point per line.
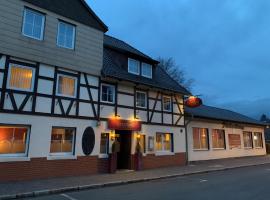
x=13, y=140
x=159, y=142
x=107, y=93
x=134, y=66
x=104, y=142
x=204, y=138
x=147, y=70
x=218, y=138
x=200, y=138
x=20, y=78
x=258, y=140
x=62, y=140
x=66, y=85
x=167, y=142
x=196, y=138
x=66, y=33
x=33, y=24
x=166, y=103
x=140, y=99
x=247, y=139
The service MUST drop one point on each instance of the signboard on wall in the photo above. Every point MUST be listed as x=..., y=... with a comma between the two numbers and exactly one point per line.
x=127, y=125
x=234, y=141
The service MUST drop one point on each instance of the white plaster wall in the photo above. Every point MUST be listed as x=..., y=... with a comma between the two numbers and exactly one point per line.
x=46, y=70
x=45, y=87
x=195, y=155
x=2, y=62
x=125, y=100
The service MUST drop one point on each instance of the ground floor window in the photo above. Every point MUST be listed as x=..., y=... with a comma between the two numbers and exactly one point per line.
x=164, y=142
x=141, y=142
x=247, y=139
x=218, y=139
x=62, y=141
x=258, y=141
x=14, y=141
x=200, y=139
x=104, y=143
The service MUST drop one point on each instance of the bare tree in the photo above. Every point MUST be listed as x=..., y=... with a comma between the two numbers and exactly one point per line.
x=178, y=74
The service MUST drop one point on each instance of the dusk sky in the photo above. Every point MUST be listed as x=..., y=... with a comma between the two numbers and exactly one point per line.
x=222, y=45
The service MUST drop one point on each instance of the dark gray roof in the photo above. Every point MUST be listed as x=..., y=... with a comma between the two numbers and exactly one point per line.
x=77, y=10
x=117, y=44
x=160, y=78
x=214, y=113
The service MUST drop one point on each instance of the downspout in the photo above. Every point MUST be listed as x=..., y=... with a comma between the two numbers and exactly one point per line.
x=186, y=138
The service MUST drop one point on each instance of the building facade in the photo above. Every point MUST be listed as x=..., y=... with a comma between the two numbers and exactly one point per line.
x=215, y=133
x=68, y=92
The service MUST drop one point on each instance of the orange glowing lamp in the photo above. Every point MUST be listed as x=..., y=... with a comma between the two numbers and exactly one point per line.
x=193, y=102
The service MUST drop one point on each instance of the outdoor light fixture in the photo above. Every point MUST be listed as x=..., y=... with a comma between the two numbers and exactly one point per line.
x=193, y=102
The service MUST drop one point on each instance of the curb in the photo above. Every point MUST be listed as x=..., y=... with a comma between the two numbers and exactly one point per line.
x=116, y=183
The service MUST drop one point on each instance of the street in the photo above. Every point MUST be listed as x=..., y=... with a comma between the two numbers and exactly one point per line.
x=243, y=183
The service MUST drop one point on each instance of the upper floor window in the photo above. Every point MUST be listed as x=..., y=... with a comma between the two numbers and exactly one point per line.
x=107, y=93
x=218, y=139
x=133, y=66
x=20, y=77
x=66, y=35
x=146, y=70
x=167, y=103
x=14, y=140
x=200, y=139
x=141, y=99
x=33, y=24
x=66, y=85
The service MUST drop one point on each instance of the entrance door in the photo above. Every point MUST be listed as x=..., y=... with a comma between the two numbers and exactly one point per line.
x=124, y=155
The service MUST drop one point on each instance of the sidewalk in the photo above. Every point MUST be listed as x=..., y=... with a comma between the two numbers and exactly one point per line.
x=12, y=190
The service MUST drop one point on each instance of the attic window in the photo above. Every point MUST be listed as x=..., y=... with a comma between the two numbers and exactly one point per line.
x=133, y=66
x=146, y=70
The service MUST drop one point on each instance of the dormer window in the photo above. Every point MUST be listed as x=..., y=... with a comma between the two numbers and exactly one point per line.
x=133, y=66
x=146, y=70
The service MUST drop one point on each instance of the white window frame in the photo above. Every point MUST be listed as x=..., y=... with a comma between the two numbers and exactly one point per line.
x=59, y=154
x=68, y=76
x=14, y=155
x=145, y=75
x=42, y=26
x=129, y=70
x=163, y=103
x=24, y=67
x=108, y=85
x=74, y=35
x=145, y=100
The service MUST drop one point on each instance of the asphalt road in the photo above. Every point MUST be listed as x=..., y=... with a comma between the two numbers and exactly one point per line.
x=245, y=183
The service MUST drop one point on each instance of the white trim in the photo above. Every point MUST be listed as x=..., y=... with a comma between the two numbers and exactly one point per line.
x=75, y=85
x=168, y=97
x=109, y=85
x=201, y=149
x=62, y=157
x=146, y=64
x=14, y=159
x=73, y=32
x=24, y=67
x=129, y=71
x=164, y=153
x=145, y=100
x=42, y=26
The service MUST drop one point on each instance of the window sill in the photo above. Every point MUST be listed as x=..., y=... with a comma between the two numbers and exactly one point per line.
x=258, y=147
x=218, y=149
x=61, y=157
x=14, y=159
x=103, y=156
x=248, y=148
x=164, y=153
x=200, y=149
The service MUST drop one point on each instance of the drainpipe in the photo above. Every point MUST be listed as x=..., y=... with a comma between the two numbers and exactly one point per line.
x=186, y=138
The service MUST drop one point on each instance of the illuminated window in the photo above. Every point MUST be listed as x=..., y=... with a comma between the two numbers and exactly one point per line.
x=107, y=93
x=141, y=99
x=247, y=139
x=33, y=24
x=218, y=139
x=62, y=141
x=167, y=103
x=14, y=141
x=66, y=85
x=142, y=143
x=104, y=143
x=146, y=70
x=200, y=139
x=258, y=140
x=133, y=66
x=20, y=77
x=66, y=35
x=164, y=142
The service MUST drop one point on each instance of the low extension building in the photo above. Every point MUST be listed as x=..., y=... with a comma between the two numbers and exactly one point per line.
x=68, y=91
x=215, y=133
